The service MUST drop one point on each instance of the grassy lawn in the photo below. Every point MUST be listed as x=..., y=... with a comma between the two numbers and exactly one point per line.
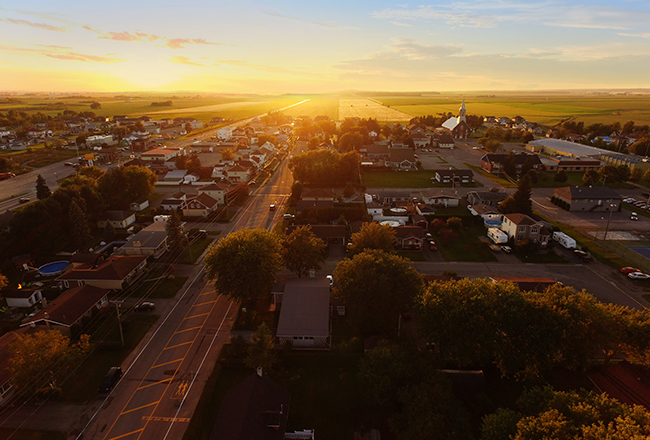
x=494, y=178
x=82, y=385
x=467, y=246
x=195, y=250
x=574, y=178
x=36, y=156
x=453, y=211
x=156, y=285
x=28, y=434
x=396, y=179
x=412, y=255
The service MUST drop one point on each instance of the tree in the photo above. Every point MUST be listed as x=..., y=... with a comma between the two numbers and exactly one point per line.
x=560, y=176
x=313, y=143
x=623, y=173
x=376, y=288
x=636, y=175
x=121, y=186
x=373, y=236
x=38, y=362
x=640, y=147
x=646, y=175
x=188, y=127
x=261, y=352
x=528, y=164
x=79, y=230
x=95, y=105
x=244, y=264
x=42, y=190
x=227, y=154
x=174, y=228
x=303, y=251
x=590, y=175
x=607, y=173
x=454, y=223
x=181, y=162
x=580, y=415
x=510, y=165
x=109, y=231
x=349, y=190
x=81, y=139
x=522, y=196
x=194, y=164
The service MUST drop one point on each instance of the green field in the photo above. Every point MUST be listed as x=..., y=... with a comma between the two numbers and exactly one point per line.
x=545, y=109
x=320, y=105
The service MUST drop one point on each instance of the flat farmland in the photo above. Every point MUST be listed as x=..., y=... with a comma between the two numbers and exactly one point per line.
x=369, y=108
x=543, y=109
x=323, y=105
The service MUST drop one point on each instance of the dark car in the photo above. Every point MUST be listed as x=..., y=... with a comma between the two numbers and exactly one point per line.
x=583, y=255
x=144, y=307
x=432, y=245
x=110, y=379
x=23, y=200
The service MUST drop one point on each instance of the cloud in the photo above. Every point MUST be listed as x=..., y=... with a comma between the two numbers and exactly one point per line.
x=51, y=46
x=399, y=23
x=74, y=56
x=43, y=26
x=460, y=18
x=260, y=67
x=645, y=35
x=43, y=15
x=179, y=43
x=126, y=36
x=19, y=49
x=185, y=60
x=316, y=23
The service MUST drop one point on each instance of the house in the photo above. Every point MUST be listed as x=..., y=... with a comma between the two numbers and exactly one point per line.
x=145, y=242
x=493, y=163
x=420, y=220
x=587, y=198
x=378, y=150
x=174, y=201
x=140, y=205
x=190, y=178
x=409, y=237
x=402, y=157
x=116, y=272
x=160, y=154
x=305, y=314
x=175, y=176
x=256, y=408
x=456, y=176
x=390, y=196
x=374, y=208
x=420, y=140
x=217, y=191
x=119, y=219
x=328, y=233
x=487, y=212
x=22, y=297
x=239, y=173
x=69, y=308
x=224, y=134
x=444, y=140
x=436, y=197
x=489, y=198
x=520, y=227
x=220, y=171
x=314, y=194
x=200, y=205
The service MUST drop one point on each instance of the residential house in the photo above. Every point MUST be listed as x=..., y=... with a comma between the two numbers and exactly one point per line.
x=304, y=320
x=402, y=157
x=301, y=205
x=409, y=237
x=493, y=163
x=116, y=272
x=520, y=227
x=145, y=242
x=175, y=176
x=487, y=212
x=378, y=150
x=374, y=208
x=69, y=308
x=174, y=201
x=160, y=154
x=391, y=196
x=220, y=171
x=331, y=234
x=200, y=205
x=420, y=220
x=22, y=297
x=140, y=205
x=456, y=176
x=119, y=219
x=256, y=408
x=218, y=191
x=489, y=198
x=240, y=173
x=421, y=140
x=587, y=198
x=437, y=197
x=444, y=140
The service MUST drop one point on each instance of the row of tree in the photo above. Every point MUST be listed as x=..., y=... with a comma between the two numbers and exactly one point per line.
x=325, y=168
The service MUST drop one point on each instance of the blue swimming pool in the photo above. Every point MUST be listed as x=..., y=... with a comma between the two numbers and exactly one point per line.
x=493, y=223
x=53, y=268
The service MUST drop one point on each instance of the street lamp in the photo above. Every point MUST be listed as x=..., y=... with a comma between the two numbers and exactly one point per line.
x=611, y=209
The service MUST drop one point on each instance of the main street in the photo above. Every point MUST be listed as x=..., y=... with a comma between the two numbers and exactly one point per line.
x=164, y=377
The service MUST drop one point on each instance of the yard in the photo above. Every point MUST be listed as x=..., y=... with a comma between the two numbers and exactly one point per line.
x=466, y=245
x=158, y=284
x=398, y=179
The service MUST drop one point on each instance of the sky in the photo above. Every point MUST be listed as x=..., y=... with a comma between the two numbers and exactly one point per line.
x=307, y=46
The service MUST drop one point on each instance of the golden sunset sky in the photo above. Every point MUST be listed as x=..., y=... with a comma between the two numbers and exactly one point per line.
x=322, y=46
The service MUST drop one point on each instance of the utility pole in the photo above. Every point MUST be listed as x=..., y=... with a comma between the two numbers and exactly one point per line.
x=119, y=320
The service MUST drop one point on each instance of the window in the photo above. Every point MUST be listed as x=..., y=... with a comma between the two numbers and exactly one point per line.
x=522, y=229
x=533, y=230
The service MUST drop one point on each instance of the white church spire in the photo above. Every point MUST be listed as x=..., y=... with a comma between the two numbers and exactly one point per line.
x=462, y=112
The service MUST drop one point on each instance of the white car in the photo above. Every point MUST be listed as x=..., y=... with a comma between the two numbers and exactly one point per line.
x=638, y=276
x=630, y=200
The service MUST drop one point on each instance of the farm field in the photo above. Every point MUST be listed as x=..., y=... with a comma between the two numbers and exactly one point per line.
x=546, y=109
x=321, y=105
x=369, y=108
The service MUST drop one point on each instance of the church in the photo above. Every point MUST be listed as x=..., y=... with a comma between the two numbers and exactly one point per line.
x=458, y=126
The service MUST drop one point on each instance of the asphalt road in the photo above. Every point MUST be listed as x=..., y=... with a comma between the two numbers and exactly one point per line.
x=162, y=384
x=24, y=185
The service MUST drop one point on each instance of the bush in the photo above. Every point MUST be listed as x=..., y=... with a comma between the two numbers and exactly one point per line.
x=454, y=223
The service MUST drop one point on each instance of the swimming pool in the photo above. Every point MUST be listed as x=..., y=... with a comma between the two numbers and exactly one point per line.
x=53, y=268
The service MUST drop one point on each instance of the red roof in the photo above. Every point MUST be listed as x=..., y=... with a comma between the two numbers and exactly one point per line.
x=625, y=383
x=70, y=306
x=116, y=267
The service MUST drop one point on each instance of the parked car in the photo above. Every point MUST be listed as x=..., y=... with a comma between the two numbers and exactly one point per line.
x=646, y=195
x=69, y=164
x=145, y=307
x=506, y=249
x=288, y=216
x=271, y=207
x=630, y=269
x=638, y=276
x=429, y=236
x=432, y=245
x=634, y=216
x=583, y=255
x=630, y=200
x=110, y=379
x=23, y=200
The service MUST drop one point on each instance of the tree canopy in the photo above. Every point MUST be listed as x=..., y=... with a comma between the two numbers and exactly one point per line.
x=42, y=190
x=376, y=287
x=325, y=167
x=520, y=201
x=303, y=251
x=244, y=264
x=121, y=186
x=373, y=236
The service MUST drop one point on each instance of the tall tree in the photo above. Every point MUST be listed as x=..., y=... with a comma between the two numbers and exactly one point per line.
x=373, y=236
x=39, y=362
x=193, y=164
x=244, y=264
x=121, y=186
x=42, y=190
x=303, y=251
x=522, y=196
x=510, y=165
x=79, y=229
x=227, y=154
x=376, y=288
x=174, y=228
x=261, y=352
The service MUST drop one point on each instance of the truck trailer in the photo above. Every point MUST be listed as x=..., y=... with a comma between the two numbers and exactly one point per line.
x=497, y=236
x=564, y=240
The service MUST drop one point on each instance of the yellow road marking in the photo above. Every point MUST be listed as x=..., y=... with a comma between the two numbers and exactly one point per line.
x=167, y=363
x=140, y=407
x=196, y=316
x=165, y=419
x=188, y=329
x=154, y=383
x=208, y=302
x=178, y=345
x=127, y=434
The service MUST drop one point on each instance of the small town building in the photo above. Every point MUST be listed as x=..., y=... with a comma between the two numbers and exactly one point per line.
x=118, y=219
x=117, y=272
x=22, y=297
x=145, y=242
x=456, y=176
x=520, y=227
x=489, y=198
x=304, y=321
x=493, y=163
x=587, y=198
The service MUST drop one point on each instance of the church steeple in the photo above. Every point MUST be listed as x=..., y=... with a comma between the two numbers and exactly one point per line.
x=462, y=112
